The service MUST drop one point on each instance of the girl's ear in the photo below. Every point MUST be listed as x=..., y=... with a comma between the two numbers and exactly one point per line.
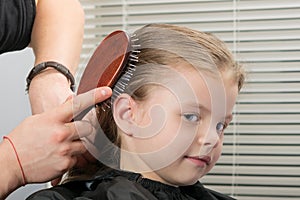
x=123, y=109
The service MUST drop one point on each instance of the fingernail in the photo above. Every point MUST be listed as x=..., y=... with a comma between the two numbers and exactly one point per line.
x=103, y=92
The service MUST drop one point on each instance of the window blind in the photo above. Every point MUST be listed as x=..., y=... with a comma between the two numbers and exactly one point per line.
x=261, y=154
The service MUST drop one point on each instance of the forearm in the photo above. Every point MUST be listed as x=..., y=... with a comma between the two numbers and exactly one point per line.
x=57, y=36
x=58, y=32
x=10, y=173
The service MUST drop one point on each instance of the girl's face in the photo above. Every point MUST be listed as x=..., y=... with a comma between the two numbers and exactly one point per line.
x=178, y=131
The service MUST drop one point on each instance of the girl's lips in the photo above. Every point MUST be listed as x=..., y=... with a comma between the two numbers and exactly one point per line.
x=199, y=161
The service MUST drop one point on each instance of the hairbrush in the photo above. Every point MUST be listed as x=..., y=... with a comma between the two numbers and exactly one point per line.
x=108, y=62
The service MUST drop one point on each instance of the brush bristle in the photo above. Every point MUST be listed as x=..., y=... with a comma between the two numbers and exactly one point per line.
x=126, y=74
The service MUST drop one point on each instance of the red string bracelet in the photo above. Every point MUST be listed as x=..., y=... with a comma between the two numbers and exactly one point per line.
x=13, y=146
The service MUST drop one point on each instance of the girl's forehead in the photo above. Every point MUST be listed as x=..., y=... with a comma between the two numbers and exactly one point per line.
x=198, y=89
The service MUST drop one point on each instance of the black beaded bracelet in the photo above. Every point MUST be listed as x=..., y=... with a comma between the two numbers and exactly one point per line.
x=59, y=67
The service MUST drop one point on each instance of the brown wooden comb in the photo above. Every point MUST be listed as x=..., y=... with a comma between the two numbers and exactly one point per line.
x=106, y=64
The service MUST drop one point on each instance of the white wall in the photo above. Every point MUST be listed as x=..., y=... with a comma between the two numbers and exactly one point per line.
x=14, y=106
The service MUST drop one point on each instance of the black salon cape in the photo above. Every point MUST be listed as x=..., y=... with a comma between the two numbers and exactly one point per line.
x=120, y=185
x=16, y=22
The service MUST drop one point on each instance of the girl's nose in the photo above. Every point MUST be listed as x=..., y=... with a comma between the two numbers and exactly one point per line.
x=209, y=139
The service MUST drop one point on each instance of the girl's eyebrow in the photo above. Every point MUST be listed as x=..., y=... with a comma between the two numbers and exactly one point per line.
x=196, y=105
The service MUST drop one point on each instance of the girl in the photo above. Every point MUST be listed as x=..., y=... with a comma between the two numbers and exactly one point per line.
x=165, y=128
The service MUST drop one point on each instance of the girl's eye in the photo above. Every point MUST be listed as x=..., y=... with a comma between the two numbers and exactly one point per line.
x=220, y=127
x=192, y=117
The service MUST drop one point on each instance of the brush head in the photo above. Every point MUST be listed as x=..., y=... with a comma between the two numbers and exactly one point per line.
x=105, y=65
x=107, y=62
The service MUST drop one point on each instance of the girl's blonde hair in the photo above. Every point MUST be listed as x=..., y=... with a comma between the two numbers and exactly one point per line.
x=165, y=45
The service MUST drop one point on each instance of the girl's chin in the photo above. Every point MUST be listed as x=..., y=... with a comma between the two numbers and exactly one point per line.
x=186, y=182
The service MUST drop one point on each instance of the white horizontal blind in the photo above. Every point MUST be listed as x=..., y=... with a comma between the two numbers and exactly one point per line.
x=261, y=156
x=266, y=137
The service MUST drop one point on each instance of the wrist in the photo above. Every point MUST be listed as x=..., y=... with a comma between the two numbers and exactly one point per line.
x=48, y=90
x=10, y=175
x=49, y=76
x=42, y=69
x=50, y=83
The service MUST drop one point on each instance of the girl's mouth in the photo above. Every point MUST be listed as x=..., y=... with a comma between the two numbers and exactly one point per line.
x=201, y=161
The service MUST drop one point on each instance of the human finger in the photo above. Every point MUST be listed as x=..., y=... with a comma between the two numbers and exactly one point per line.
x=77, y=148
x=77, y=104
x=80, y=129
x=91, y=98
x=91, y=117
x=93, y=150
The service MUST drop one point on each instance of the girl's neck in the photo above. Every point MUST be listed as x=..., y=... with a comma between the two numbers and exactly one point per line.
x=133, y=163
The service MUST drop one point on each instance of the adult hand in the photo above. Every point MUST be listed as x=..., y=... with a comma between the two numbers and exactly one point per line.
x=48, y=144
x=89, y=156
